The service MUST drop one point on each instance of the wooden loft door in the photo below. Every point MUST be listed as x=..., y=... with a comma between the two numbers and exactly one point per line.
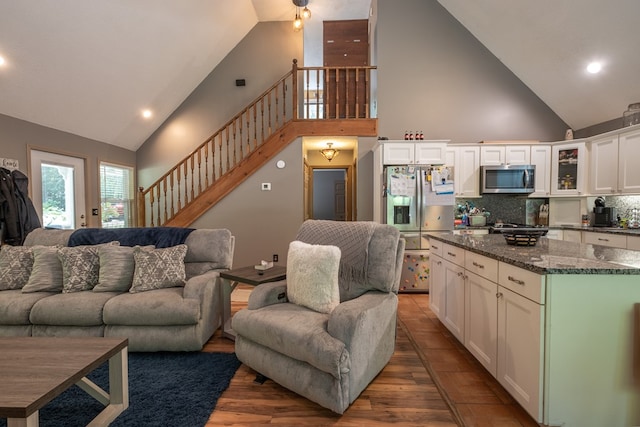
x=346, y=44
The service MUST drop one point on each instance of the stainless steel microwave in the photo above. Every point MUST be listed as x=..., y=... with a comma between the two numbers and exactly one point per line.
x=507, y=179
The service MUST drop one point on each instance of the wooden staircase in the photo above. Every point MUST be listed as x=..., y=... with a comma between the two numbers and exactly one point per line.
x=332, y=100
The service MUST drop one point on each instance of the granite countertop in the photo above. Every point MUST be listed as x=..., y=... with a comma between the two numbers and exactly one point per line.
x=549, y=256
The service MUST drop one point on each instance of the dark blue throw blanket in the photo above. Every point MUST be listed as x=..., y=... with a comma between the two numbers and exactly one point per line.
x=160, y=237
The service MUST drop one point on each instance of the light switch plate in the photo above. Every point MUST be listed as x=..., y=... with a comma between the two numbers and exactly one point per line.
x=266, y=186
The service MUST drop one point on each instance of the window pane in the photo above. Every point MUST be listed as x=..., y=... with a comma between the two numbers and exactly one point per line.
x=57, y=196
x=116, y=196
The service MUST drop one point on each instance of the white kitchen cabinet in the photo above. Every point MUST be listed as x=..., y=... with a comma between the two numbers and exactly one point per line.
x=521, y=349
x=518, y=154
x=629, y=162
x=436, y=277
x=453, y=313
x=603, y=177
x=414, y=153
x=572, y=236
x=568, y=168
x=493, y=155
x=541, y=158
x=633, y=243
x=481, y=309
x=454, y=278
x=465, y=160
x=605, y=239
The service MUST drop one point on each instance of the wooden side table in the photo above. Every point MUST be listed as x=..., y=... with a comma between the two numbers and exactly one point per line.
x=247, y=275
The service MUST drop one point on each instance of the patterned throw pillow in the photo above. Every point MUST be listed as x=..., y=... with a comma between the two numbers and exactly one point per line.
x=158, y=268
x=80, y=268
x=46, y=274
x=312, y=276
x=16, y=263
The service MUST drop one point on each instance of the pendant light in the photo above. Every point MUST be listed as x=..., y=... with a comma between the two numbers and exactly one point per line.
x=329, y=153
x=298, y=22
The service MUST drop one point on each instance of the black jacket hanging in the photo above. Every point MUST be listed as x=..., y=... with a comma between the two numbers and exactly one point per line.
x=17, y=212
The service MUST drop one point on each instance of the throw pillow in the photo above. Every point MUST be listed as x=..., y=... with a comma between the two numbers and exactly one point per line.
x=116, y=268
x=46, y=274
x=16, y=263
x=158, y=268
x=312, y=276
x=80, y=268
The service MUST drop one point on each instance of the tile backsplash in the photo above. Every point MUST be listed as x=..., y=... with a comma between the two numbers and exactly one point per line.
x=510, y=209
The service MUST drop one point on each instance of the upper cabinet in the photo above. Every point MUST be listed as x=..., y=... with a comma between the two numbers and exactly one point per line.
x=615, y=166
x=568, y=168
x=541, y=159
x=465, y=160
x=414, y=153
x=516, y=154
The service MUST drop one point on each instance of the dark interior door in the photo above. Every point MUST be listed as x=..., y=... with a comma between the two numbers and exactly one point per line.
x=346, y=44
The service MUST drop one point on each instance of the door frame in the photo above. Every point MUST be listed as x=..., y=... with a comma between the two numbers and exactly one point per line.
x=349, y=189
x=81, y=219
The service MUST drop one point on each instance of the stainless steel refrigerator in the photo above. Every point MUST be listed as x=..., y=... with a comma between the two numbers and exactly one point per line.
x=418, y=199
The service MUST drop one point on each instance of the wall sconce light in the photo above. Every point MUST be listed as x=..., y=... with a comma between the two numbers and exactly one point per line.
x=329, y=153
x=306, y=14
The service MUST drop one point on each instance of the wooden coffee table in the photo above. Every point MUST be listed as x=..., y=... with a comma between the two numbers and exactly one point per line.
x=250, y=276
x=35, y=370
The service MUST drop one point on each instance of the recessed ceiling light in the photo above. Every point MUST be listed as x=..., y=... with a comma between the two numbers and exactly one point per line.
x=594, y=67
x=147, y=114
x=2, y=61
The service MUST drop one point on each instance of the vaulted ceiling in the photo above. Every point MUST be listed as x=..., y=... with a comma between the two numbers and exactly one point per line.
x=91, y=67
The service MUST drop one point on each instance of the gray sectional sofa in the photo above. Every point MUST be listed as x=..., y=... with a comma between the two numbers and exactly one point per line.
x=167, y=318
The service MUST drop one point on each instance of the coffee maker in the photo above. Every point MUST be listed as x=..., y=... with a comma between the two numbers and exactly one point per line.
x=604, y=216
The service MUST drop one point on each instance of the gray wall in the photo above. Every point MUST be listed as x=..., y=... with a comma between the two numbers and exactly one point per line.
x=263, y=222
x=16, y=135
x=434, y=76
x=264, y=56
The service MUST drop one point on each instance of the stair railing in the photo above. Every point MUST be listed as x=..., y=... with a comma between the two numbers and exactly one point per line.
x=321, y=93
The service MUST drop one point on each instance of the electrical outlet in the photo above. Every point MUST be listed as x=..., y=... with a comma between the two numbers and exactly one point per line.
x=275, y=257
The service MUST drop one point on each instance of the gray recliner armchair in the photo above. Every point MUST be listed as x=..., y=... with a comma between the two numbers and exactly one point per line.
x=329, y=358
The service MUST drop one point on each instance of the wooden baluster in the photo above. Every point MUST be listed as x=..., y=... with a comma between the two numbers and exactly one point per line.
x=142, y=215
x=220, y=155
x=262, y=119
x=206, y=165
x=239, y=140
x=327, y=108
x=158, y=204
x=151, y=203
x=367, y=111
x=277, y=100
x=193, y=193
x=172, y=191
x=255, y=126
x=179, y=185
x=185, y=166
x=294, y=88
x=248, y=119
x=227, y=147
x=200, y=171
x=165, y=202
x=269, y=113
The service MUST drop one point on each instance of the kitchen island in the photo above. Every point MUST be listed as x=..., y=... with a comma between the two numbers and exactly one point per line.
x=554, y=322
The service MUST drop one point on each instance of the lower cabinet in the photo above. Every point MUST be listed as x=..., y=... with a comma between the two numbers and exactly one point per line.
x=497, y=311
x=453, y=313
x=481, y=320
x=520, y=349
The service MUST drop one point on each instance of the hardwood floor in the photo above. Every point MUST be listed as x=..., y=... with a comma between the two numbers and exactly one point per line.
x=404, y=393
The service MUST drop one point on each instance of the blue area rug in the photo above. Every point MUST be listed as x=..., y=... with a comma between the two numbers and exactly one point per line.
x=165, y=389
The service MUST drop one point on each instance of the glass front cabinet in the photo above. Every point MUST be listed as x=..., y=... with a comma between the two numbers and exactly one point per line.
x=568, y=168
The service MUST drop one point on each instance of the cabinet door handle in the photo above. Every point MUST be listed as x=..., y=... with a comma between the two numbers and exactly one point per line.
x=439, y=262
x=451, y=254
x=514, y=280
x=603, y=240
x=478, y=265
x=499, y=295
